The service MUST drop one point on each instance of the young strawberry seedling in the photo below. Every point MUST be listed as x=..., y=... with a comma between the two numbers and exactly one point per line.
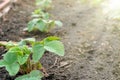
x=24, y=56
x=41, y=21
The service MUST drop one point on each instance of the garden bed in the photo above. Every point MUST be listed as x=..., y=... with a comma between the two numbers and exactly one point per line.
x=91, y=41
x=12, y=30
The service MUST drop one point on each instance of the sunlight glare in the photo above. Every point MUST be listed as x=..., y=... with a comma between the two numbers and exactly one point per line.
x=112, y=9
x=114, y=4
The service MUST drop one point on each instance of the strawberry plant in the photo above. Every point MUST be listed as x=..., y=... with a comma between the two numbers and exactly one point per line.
x=42, y=22
x=38, y=13
x=24, y=56
x=44, y=4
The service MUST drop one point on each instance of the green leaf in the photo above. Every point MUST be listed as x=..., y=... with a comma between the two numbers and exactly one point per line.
x=13, y=68
x=10, y=57
x=38, y=51
x=41, y=25
x=51, y=38
x=30, y=39
x=37, y=11
x=21, y=43
x=59, y=23
x=25, y=41
x=2, y=63
x=22, y=59
x=55, y=47
x=31, y=24
x=25, y=49
x=51, y=23
x=16, y=50
x=34, y=75
x=24, y=77
x=46, y=15
x=9, y=44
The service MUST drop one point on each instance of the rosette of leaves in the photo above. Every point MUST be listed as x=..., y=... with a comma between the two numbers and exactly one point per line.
x=24, y=56
x=41, y=21
x=42, y=25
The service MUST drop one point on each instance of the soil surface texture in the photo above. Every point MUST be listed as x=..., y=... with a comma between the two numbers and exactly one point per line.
x=92, y=41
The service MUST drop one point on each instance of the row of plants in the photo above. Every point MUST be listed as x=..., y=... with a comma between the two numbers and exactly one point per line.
x=24, y=57
x=41, y=18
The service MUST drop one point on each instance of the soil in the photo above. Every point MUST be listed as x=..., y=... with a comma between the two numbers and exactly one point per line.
x=91, y=41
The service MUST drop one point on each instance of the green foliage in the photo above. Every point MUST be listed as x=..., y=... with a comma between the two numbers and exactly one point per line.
x=32, y=23
x=15, y=57
x=55, y=47
x=38, y=51
x=42, y=25
x=18, y=59
x=34, y=75
x=44, y=4
x=38, y=13
x=41, y=19
x=10, y=63
x=24, y=56
x=50, y=44
x=42, y=22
